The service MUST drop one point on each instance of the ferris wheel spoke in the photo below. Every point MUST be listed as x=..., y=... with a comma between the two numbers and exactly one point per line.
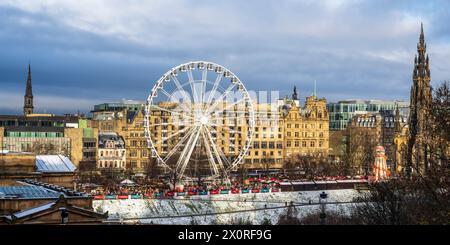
x=175, y=149
x=224, y=95
x=228, y=129
x=171, y=136
x=170, y=111
x=214, y=89
x=180, y=88
x=184, y=151
x=174, y=99
x=204, y=77
x=227, y=107
x=192, y=145
x=192, y=83
x=212, y=163
x=233, y=112
x=231, y=115
x=214, y=147
x=169, y=123
x=218, y=151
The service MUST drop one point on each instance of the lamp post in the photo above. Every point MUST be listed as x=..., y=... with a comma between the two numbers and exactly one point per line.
x=64, y=215
x=322, y=201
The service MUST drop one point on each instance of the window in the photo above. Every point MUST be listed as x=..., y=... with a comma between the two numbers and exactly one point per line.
x=312, y=144
x=279, y=145
x=297, y=143
x=264, y=145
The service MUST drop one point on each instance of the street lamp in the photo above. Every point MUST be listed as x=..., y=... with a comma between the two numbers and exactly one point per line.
x=64, y=215
x=322, y=201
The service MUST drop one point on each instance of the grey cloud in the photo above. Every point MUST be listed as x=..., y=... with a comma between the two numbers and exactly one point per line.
x=354, y=49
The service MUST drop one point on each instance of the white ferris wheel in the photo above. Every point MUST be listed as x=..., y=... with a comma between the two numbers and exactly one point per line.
x=199, y=121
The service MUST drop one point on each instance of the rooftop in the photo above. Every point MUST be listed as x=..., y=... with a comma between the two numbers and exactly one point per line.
x=361, y=101
x=38, y=190
x=27, y=192
x=54, y=164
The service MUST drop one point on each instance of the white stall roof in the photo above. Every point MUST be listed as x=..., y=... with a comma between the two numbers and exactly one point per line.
x=54, y=163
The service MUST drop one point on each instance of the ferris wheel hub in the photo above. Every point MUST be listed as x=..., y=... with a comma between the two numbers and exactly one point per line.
x=204, y=120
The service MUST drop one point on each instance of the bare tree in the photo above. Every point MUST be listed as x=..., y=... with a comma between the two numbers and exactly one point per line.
x=311, y=165
x=422, y=198
x=152, y=170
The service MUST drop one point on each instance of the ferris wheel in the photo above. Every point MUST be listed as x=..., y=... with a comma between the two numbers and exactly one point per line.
x=199, y=121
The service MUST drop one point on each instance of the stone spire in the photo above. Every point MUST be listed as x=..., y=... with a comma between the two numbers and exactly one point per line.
x=397, y=120
x=420, y=104
x=294, y=94
x=28, y=98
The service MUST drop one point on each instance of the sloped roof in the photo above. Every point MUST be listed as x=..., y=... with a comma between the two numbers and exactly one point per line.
x=131, y=115
x=33, y=210
x=51, y=207
x=54, y=164
x=111, y=136
x=27, y=192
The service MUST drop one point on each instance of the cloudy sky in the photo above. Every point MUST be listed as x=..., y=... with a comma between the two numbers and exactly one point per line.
x=86, y=52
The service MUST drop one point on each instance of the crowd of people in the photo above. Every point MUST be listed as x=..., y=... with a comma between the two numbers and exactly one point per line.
x=234, y=185
x=203, y=188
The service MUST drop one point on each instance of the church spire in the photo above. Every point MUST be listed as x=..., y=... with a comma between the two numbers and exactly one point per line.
x=420, y=106
x=294, y=94
x=397, y=120
x=28, y=98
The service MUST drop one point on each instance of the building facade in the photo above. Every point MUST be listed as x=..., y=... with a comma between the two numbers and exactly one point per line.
x=68, y=135
x=282, y=130
x=135, y=142
x=49, y=134
x=372, y=130
x=342, y=112
x=111, y=151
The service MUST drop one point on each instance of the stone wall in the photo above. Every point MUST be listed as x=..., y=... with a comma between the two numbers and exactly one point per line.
x=76, y=144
